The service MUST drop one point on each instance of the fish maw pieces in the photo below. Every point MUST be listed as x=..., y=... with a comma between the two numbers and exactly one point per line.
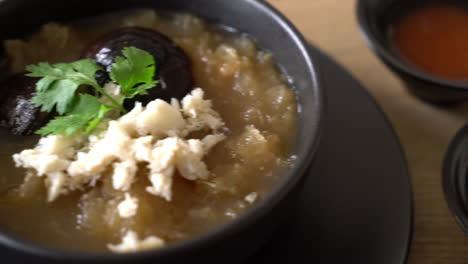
x=254, y=148
x=100, y=213
x=53, y=43
x=17, y=112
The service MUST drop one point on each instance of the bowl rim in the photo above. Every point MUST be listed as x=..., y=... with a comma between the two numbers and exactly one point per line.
x=364, y=19
x=257, y=211
x=451, y=177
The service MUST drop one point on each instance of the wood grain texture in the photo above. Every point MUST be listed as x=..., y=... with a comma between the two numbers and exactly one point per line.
x=424, y=130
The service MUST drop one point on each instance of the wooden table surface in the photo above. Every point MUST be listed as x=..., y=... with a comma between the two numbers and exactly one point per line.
x=424, y=130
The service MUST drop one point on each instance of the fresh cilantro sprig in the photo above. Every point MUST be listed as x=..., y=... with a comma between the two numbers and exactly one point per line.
x=134, y=73
x=58, y=89
x=87, y=112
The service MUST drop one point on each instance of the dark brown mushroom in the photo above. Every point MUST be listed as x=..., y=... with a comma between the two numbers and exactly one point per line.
x=17, y=112
x=173, y=65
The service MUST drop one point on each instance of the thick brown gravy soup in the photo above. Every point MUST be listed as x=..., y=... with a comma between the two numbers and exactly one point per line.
x=153, y=128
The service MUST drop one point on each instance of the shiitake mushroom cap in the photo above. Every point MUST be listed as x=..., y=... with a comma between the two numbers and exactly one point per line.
x=173, y=66
x=22, y=117
x=17, y=112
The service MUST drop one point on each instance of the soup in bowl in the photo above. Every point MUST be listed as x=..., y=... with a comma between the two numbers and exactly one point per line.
x=194, y=138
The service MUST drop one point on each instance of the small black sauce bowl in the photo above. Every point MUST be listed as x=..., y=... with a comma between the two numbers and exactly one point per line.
x=235, y=240
x=376, y=18
x=455, y=177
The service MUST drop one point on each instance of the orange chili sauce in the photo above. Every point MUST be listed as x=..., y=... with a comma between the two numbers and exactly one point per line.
x=435, y=40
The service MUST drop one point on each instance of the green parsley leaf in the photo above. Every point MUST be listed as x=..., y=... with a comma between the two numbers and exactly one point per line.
x=96, y=120
x=88, y=68
x=87, y=112
x=58, y=88
x=42, y=69
x=43, y=84
x=60, y=81
x=57, y=93
x=137, y=68
x=80, y=72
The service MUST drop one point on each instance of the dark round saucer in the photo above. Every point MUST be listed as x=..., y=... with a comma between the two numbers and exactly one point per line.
x=455, y=177
x=356, y=205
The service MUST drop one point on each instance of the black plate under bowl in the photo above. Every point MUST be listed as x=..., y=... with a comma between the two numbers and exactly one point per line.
x=356, y=205
x=455, y=178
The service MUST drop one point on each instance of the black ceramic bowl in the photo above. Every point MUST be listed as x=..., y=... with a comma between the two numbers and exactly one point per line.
x=237, y=239
x=376, y=18
x=455, y=177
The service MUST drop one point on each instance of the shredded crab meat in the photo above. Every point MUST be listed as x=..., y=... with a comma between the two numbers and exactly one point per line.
x=155, y=135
